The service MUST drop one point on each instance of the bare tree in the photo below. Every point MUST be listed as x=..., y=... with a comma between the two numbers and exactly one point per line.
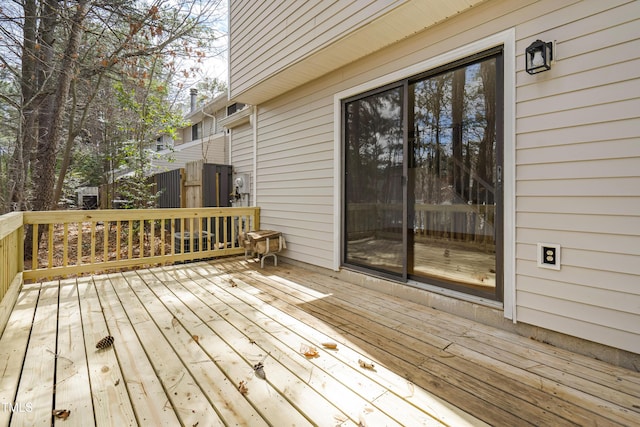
x=55, y=50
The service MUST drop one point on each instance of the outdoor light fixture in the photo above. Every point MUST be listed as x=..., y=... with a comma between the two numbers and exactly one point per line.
x=538, y=56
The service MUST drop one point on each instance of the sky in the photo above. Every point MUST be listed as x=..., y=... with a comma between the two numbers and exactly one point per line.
x=215, y=63
x=215, y=66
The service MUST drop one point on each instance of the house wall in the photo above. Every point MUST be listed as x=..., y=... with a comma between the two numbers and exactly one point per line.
x=286, y=33
x=212, y=149
x=242, y=155
x=212, y=146
x=220, y=114
x=576, y=151
x=578, y=174
x=295, y=41
x=295, y=173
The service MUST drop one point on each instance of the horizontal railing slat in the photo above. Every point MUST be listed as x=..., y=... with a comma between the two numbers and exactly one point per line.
x=52, y=217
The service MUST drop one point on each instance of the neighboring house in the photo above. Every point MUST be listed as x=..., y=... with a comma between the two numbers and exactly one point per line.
x=203, y=139
x=404, y=139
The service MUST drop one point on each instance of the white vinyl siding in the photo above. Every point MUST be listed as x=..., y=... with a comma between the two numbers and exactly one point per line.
x=578, y=175
x=288, y=31
x=295, y=175
x=276, y=37
x=242, y=150
x=577, y=157
x=211, y=150
x=220, y=114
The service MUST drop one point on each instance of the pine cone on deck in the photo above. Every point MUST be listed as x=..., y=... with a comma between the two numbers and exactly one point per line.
x=105, y=342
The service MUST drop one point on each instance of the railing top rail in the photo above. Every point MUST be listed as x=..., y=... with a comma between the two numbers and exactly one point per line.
x=9, y=223
x=48, y=217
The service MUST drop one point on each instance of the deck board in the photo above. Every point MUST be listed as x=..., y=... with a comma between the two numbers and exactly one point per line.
x=148, y=398
x=314, y=387
x=188, y=338
x=182, y=389
x=186, y=335
x=38, y=371
x=73, y=389
x=532, y=403
x=13, y=348
x=337, y=371
x=111, y=400
x=242, y=331
x=420, y=343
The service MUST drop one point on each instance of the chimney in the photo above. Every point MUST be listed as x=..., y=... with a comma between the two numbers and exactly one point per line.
x=194, y=97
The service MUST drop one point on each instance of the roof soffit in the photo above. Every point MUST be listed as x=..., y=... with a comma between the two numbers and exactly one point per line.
x=400, y=23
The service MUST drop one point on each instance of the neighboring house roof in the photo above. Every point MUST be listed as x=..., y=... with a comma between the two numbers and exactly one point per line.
x=207, y=109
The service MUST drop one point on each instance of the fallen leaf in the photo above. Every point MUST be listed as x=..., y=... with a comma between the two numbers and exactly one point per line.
x=175, y=322
x=195, y=338
x=61, y=413
x=242, y=387
x=232, y=283
x=365, y=365
x=330, y=345
x=309, y=351
x=117, y=382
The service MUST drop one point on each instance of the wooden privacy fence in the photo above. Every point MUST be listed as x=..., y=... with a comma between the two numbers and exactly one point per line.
x=197, y=185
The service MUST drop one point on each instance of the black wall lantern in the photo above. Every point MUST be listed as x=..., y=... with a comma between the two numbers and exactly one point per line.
x=538, y=56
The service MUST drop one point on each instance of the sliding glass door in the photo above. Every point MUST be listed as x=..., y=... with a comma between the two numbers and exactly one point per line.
x=455, y=177
x=423, y=186
x=373, y=181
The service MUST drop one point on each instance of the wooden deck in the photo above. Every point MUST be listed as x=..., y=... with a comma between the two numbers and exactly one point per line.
x=187, y=335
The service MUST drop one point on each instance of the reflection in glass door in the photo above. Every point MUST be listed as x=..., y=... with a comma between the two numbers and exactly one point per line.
x=454, y=178
x=373, y=214
x=422, y=177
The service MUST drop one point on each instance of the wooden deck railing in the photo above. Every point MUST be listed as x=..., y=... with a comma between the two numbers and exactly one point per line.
x=94, y=241
x=11, y=262
x=75, y=242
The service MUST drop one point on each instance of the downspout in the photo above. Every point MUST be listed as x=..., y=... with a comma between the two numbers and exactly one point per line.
x=254, y=195
x=212, y=131
x=230, y=136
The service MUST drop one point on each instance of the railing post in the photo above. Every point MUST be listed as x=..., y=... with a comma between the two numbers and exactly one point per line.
x=20, y=251
x=256, y=218
x=11, y=263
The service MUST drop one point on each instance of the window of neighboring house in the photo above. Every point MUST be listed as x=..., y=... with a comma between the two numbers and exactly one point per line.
x=422, y=177
x=233, y=108
x=196, y=131
x=160, y=143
